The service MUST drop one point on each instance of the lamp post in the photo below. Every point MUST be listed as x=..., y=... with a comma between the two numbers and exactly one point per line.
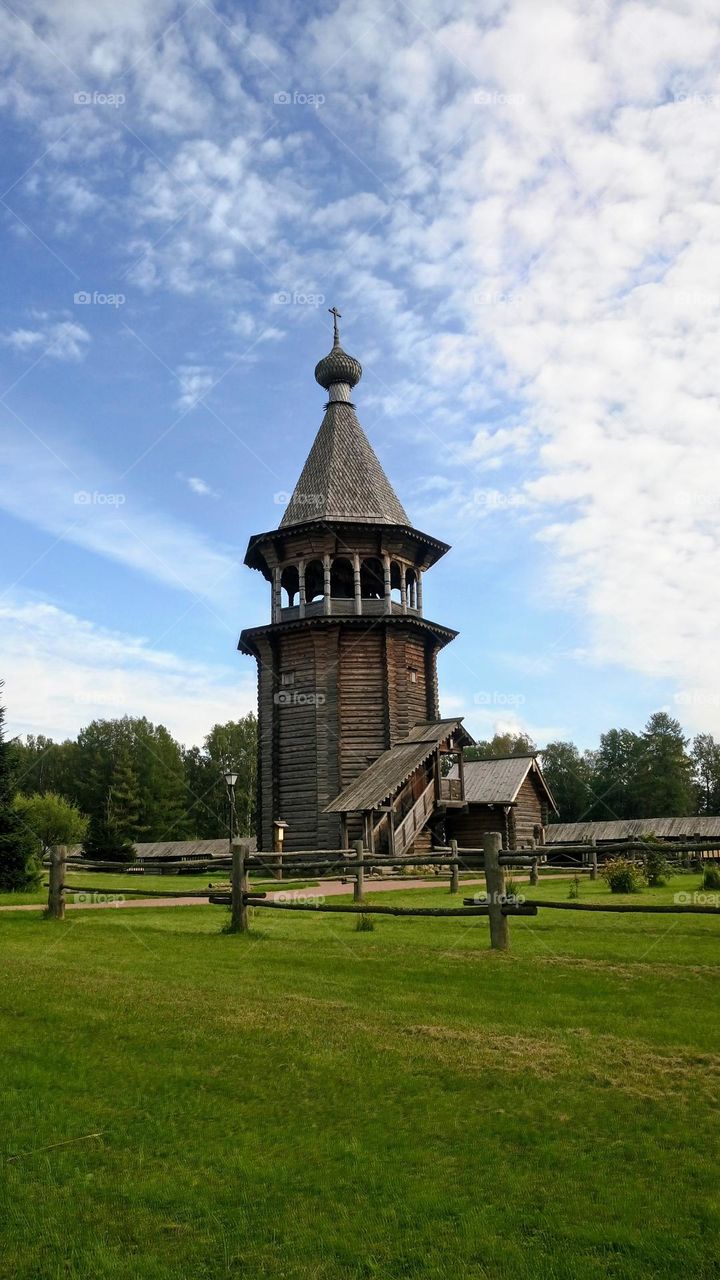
x=230, y=780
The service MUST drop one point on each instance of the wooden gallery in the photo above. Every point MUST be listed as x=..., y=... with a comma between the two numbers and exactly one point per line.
x=350, y=740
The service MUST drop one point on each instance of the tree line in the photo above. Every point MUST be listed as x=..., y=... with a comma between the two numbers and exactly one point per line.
x=120, y=782
x=658, y=773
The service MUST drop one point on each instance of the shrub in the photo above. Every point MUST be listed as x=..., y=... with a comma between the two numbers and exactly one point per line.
x=711, y=876
x=574, y=891
x=623, y=876
x=657, y=867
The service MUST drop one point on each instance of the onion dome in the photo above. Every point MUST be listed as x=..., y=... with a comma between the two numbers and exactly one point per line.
x=338, y=366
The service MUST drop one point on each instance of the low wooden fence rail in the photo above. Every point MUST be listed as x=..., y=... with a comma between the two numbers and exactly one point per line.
x=496, y=903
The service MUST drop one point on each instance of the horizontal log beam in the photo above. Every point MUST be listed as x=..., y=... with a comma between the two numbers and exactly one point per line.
x=515, y=909
x=657, y=909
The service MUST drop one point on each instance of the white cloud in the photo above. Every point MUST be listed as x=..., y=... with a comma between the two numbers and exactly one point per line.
x=63, y=340
x=550, y=249
x=62, y=671
x=195, y=380
x=199, y=486
x=75, y=499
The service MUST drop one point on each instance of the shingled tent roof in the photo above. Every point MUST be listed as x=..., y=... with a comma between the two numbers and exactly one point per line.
x=342, y=478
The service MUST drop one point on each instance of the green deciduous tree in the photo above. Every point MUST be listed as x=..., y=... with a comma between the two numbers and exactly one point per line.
x=52, y=819
x=569, y=777
x=19, y=866
x=501, y=744
x=705, y=755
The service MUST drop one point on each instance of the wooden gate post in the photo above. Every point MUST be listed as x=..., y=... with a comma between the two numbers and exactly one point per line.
x=593, y=860
x=454, y=870
x=534, y=876
x=238, y=908
x=359, y=886
x=56, y=895
x=495, y=882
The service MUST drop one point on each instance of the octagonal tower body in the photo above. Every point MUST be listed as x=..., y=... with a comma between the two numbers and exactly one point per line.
x=347, y=662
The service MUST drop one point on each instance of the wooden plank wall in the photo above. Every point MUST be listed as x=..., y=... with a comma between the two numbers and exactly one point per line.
x=409, y=702
x=297, y=741
x=361, y=701
x=469, y=828
x=527, y=811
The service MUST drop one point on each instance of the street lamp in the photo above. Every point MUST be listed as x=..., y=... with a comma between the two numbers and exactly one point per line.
x=230, y=780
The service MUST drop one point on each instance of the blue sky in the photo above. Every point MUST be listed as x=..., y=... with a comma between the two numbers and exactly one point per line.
x=514, y=207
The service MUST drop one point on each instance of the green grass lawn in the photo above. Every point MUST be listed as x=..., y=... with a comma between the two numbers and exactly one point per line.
x=311, y=1102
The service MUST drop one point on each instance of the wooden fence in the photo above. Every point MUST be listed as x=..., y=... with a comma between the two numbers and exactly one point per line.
x=495, y=903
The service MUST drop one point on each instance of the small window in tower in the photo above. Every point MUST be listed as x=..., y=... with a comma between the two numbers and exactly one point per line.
x=412, y=672
x=287, y=678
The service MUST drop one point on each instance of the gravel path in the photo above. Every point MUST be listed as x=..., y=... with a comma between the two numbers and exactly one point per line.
x=330, y=889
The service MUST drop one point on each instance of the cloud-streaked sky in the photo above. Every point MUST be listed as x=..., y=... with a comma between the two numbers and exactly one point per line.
x=515, y=206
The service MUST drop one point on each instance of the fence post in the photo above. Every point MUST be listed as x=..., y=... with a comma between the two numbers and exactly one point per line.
x=495, y=882
x=238, y=908
x=56, y=895
x=534, y=876
x=454, y=870
x=593, y=860
x=359, y=886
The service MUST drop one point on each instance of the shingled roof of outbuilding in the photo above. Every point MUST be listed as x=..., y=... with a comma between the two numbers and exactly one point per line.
x=703, y=827
x=498, y=781
x=342, y=478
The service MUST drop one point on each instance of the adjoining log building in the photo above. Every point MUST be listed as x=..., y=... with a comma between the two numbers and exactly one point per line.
x=350, y=738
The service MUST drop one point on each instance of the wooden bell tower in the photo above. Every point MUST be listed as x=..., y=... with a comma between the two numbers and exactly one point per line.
x=347, y=662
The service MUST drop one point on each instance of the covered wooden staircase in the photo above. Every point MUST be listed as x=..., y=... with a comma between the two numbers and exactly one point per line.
x=399, y=797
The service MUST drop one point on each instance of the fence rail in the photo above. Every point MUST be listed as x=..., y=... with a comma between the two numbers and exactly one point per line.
x=496, y=904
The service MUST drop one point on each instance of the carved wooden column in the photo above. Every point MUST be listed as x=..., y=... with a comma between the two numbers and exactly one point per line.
x=356, y=583
x=387, y=583
x=301, y=589
x=326, y=578
x=276, y=597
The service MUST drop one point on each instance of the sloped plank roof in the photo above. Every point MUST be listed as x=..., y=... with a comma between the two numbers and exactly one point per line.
x=342, y=478
x=385, y=775
x=634, y=828
x=498, y=781
x=181, y=848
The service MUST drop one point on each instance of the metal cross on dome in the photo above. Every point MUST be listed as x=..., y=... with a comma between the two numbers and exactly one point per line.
x=336, y=316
